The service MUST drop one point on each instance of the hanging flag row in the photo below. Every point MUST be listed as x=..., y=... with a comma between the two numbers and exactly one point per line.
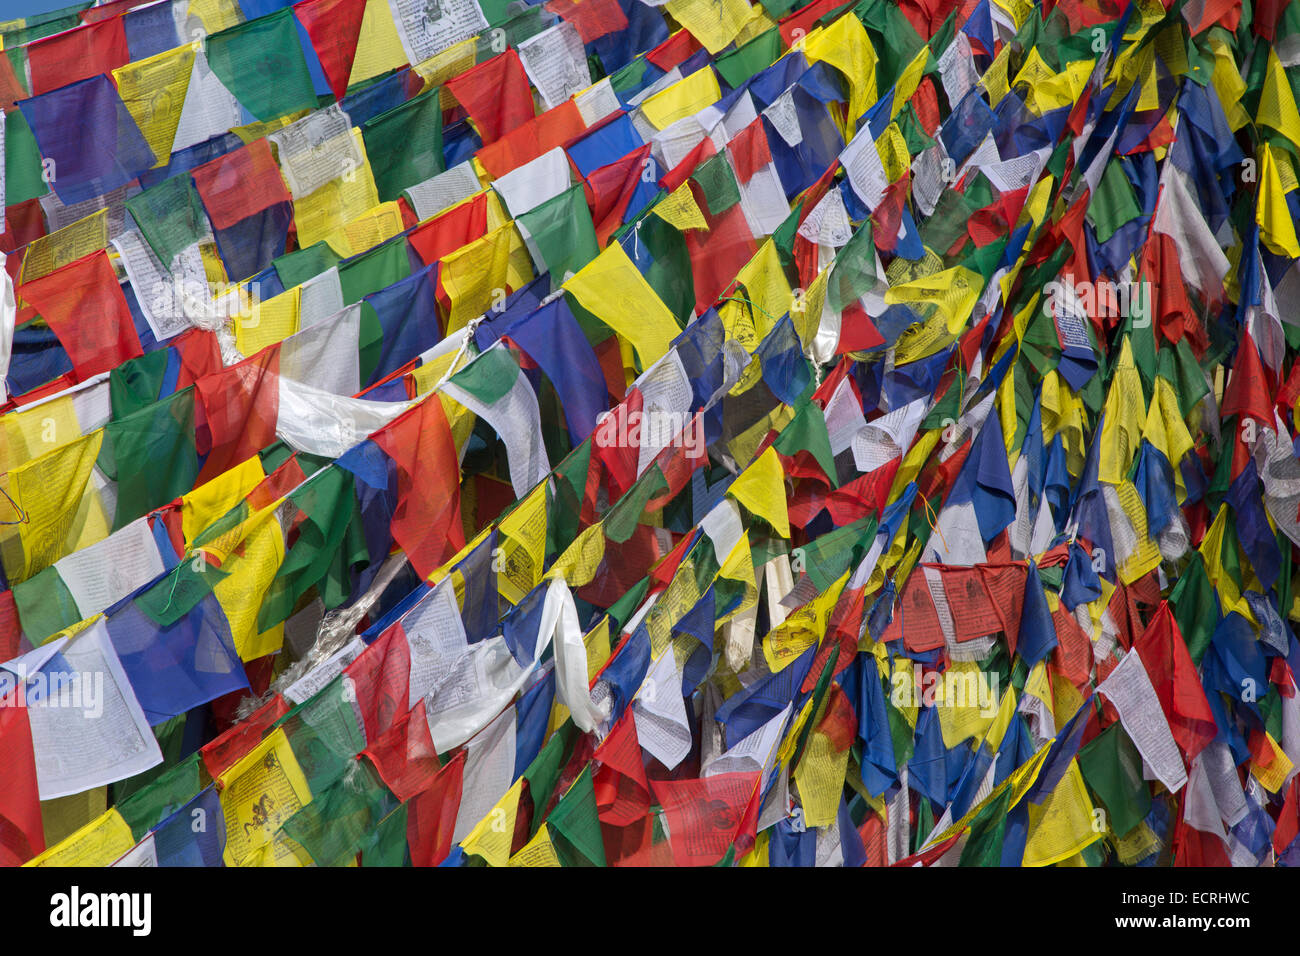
x=686, y=434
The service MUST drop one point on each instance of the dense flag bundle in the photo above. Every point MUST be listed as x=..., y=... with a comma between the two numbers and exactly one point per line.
x=615, y=433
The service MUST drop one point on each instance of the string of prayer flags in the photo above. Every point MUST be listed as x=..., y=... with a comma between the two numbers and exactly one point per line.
x=618, y=434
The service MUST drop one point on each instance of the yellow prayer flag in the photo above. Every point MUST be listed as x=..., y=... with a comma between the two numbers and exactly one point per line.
x=444, y=65
x=953, y=293
x=98, y=843
x=802, y=628
x=739, y=566
x=1121, y=430
x=761, y=489
x=1277, y=106
x=907, y=82
x=72, y=242
x=680, y=210
x=1164, y=426
x=268, y=321
x=212, y=16
x=892, y=149
x=64, y=816
x=994, y=80
x=598, y=647
x=1061, y=826
x=262, y=790
x=153, y=90
x=29, y=433
x=523, y=546
x=845, y=45
x=63, y=509
x=1146, y=554
x=684, y=98
x=247, y=575
x=1275, y=775
x=208, y=502
x=1276, y=228
x=612, y=289
x=480, y=274
x=715, y=23
x=344, y=198
x=763, y=283
x=492, y=836
x=539, y=851
x=377, y=224
x=581, y=559
x=379, y=48
x=965, y=700
x=1228, y=82
x=820, y=776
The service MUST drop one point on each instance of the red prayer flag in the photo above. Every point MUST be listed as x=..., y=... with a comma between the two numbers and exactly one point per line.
x=240, y=184
x=426, y=523
x=496, y=95
x=431, y=815
x=241, y=405
x=448, y=231
x=381, y=677
x=1247, y=391
x=674, y=51
x=555, y=127
x=77, y=54
x=333, y=26
x=84, y=306
x=705, y=816
x=22, y=835
x=224, y=751
x=749, y=151
x=593, y=18
x=1173, y=675
x=610, y=188
x=622, y=793
x=404, y=755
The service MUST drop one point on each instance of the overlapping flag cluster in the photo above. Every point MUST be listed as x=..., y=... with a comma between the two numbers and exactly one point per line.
x=687, y=433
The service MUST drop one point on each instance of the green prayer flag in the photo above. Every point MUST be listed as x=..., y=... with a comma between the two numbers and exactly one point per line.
x=170, y=216
x=404, y=144
x=155, y=448
x=1112, y=769
x=261, y=63
x=807, y=432
x=560, y=235
x=575, y=826
x=24, y=177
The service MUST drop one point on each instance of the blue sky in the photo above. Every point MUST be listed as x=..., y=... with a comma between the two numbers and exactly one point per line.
x=13, y=9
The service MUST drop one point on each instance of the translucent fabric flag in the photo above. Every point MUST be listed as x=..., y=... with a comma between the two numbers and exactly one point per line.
x=84, y=305
x=156, y=447
x=404, y=144
x=419, y=443
x=261, y=63
x=495, y=94
x=90, y=143
x=154, y=90
x=177, y=668
x=77, y=54
x=240, y=184
x=248, y=206
x=240, y=406
x=494, y=388
x=334, y=27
